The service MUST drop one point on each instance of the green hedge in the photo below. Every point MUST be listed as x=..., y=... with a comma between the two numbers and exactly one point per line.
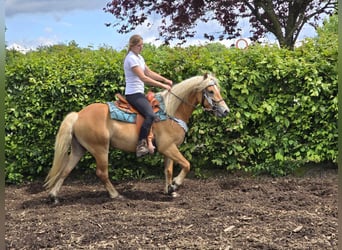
x=283, y=105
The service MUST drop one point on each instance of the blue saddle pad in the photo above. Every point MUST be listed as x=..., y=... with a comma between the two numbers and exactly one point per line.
x=120, y=115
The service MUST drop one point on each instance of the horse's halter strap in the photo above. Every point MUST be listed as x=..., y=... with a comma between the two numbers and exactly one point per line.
x=182, y=100
x=206, y=96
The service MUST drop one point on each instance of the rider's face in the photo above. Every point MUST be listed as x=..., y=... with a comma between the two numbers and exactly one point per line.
x=138, y=48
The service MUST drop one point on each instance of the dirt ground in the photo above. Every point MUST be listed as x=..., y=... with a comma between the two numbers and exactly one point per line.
x=227, y=212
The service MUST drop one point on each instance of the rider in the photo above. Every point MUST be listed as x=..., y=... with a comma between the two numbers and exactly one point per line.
x=137, y=73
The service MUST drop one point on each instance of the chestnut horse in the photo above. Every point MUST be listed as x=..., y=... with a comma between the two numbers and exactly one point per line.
x=93, y=130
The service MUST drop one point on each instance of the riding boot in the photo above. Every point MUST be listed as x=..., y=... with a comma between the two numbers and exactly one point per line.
x=142, y=148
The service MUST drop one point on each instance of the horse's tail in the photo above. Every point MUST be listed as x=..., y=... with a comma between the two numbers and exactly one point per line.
x=62, y=146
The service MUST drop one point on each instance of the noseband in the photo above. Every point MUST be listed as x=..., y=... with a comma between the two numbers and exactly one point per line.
x=206, y=96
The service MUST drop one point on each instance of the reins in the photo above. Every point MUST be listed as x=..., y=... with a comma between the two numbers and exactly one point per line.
x=205, y=96
x=181, y=99
x=202, y=102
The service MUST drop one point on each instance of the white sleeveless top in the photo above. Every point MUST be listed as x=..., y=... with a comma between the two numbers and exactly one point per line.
x=133, y=83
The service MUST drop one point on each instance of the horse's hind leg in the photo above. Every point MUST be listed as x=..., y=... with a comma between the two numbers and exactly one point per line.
x=102, y=173
x=76, y=153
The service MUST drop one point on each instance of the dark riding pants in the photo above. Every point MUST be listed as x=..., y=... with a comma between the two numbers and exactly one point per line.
x=140, y=103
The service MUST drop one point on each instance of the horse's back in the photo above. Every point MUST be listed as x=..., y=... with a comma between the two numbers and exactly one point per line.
x=93, y=111
x=94, y=125
x=92, y=122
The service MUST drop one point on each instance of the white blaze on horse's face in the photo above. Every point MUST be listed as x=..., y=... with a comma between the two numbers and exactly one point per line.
x=213, y=97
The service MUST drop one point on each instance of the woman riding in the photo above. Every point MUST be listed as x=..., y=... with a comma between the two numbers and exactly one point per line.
x=137, y=74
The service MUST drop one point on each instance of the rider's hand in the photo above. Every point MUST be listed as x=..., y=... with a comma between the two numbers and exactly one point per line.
x=168, y=87
x=168, y=82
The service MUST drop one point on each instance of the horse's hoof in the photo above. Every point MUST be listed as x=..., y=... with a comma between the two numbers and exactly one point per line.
x=54, y=200
x=118, y=197
x=175, y=195
x=172, y=188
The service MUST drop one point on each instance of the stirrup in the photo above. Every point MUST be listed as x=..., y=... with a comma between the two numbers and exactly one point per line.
x=142, y=148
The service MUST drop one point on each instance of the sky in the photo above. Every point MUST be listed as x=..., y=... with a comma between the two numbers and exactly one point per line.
x=34, y=23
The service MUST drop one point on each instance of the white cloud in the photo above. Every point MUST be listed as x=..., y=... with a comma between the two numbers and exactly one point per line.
x=19, y=47
x=47, y=41
x=14, y=7
x=25, y=45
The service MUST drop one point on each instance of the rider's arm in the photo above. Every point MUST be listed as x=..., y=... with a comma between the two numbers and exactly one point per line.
x=150, y=73
x=149, y=80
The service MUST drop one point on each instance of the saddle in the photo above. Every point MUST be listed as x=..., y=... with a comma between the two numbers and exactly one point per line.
x=122, y=104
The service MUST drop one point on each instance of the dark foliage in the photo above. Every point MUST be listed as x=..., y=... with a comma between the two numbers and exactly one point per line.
x=284, y=19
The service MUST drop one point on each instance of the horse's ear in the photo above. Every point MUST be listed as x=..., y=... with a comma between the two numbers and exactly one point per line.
x=205, y=76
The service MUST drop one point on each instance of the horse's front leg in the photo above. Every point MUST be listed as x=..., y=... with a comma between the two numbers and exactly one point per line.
x=168, y=170
x=173, y=155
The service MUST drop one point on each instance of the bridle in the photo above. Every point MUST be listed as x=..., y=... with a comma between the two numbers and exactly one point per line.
x=205, y=96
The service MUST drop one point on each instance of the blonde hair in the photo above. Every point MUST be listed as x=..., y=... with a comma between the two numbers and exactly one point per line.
x=133, y=41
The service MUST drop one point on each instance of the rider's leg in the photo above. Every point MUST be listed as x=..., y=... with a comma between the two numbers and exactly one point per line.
x=140, y=103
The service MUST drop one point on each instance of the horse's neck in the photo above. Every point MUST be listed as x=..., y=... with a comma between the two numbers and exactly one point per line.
x=185, y=109
x=184, y=112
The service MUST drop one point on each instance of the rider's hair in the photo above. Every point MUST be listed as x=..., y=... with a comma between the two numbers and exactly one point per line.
x=133, y=41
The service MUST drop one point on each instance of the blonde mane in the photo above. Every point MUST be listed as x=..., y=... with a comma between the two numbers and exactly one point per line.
x=183, y=89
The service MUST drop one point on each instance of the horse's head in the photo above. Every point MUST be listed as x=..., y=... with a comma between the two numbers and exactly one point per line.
x=202, y=90
x=211, y=97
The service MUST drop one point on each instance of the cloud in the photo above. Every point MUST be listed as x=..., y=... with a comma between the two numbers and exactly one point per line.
x=18, y=47
x=15, y=7
x=48, y=41
x=25, y=45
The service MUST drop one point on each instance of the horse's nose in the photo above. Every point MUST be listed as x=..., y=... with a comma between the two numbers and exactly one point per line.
x=225, y=113
x=223, y=110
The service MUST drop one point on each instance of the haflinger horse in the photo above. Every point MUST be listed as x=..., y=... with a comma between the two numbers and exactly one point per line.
x=93, y=130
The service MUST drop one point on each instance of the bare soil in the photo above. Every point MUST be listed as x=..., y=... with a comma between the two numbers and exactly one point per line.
x=226, y=212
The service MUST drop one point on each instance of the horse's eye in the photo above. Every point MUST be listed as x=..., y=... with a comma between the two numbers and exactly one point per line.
x=211, y=92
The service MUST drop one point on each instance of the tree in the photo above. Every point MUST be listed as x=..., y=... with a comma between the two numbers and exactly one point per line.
x=284, y=19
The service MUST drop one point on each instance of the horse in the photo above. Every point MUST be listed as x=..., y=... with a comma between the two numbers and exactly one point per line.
x=92, y=129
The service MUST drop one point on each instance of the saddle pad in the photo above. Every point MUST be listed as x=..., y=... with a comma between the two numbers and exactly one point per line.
x=118, y=114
